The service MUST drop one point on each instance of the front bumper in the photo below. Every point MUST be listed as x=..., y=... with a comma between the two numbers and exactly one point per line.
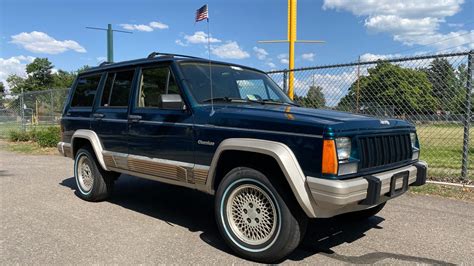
x=333, y=197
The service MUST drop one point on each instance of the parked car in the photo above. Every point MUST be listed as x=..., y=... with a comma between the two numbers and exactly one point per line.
x=271, y=164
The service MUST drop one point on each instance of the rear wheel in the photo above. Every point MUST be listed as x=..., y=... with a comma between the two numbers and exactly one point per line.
x=93, y=183
x=254, y=219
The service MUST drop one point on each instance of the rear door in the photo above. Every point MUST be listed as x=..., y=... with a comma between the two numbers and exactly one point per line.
x=110, y=117
x=155, y=132
x=79, y=108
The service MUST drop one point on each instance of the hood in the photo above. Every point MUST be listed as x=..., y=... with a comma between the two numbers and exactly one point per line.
x=296, y=119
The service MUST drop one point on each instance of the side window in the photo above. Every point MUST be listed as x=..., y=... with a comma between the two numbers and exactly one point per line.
x=153, y=83
x=86, y=89
x=117, y=88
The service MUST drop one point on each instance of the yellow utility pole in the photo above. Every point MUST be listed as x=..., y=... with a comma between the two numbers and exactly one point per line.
x=291, y=40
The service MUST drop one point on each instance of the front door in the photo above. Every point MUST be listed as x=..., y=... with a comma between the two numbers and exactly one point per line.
x=110, y=117
x=161, y=135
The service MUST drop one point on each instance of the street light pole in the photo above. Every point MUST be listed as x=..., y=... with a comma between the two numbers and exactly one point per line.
x=110, y=40
x=291, y=40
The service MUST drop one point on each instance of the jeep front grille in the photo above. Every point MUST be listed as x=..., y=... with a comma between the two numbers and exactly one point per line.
x=379, y=150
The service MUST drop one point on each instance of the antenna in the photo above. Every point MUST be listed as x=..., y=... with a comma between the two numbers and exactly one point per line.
x=110, y=40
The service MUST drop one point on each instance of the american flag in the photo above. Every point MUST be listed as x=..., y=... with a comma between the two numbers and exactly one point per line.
x=202, y=14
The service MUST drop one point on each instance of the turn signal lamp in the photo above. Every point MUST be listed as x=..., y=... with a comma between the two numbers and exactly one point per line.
x=330, y=161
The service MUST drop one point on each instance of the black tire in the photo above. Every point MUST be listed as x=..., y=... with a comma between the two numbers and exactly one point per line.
x=100, y=184
x=365, y=214
x=283, y=234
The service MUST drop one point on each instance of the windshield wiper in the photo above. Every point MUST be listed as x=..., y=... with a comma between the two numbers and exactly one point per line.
x=223, y=99
x=270, y=101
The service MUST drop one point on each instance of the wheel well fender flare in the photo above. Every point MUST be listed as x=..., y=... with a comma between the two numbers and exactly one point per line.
x=95, y=142
x=285, y=158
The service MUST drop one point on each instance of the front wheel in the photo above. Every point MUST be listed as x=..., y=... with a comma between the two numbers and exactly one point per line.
x=254, y=219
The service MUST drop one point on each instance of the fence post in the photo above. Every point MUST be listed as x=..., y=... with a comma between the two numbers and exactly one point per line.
x=52, y=107
x=22, y=108
x=285, y=78
x=467, y=118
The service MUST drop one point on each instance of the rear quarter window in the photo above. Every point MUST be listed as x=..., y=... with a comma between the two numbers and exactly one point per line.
x=86, y=89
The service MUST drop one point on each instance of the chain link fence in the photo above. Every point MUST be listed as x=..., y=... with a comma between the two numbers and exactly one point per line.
x=31, y=109
x=434, y=92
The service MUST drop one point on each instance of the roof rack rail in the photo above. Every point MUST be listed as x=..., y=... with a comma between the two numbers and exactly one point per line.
x=154, y=54
x=105, y=63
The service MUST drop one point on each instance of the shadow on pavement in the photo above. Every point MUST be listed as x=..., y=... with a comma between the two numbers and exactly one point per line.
x=194, y=210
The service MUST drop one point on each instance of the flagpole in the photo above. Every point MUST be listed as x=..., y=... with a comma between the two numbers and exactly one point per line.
x=210, y=69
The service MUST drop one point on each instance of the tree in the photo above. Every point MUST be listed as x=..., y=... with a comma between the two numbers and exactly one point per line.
x=40, y=72
x=461, y=84
x=2, y=89
x=2, y=93
x=313, y=99
x=40, y=77
x=402, y=90
x=445, y=85
x=63, y=79
x=18, y=83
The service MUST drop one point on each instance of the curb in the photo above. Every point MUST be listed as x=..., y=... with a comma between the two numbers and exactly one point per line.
x=449, y=184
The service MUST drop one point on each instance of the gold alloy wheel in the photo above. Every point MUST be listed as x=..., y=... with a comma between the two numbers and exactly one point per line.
x=251, y=214
x=84, y=174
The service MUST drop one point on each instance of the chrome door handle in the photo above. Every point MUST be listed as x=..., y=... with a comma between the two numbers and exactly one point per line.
x=98, y=115
x=134, y=118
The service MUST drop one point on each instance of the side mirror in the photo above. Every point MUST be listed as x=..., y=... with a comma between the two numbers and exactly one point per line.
x=172, y=102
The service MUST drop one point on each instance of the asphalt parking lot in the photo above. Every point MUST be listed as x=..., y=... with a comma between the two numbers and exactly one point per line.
x=44, y=222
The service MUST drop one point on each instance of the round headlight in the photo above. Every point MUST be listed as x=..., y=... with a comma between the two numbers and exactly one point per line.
x=343, y=148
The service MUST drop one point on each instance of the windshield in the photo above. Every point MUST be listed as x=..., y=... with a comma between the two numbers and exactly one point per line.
x=231, y=84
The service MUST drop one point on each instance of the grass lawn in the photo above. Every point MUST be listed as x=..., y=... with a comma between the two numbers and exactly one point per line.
x=6, y=127
x=441, y=147
x=27, y=148
x=460, y=193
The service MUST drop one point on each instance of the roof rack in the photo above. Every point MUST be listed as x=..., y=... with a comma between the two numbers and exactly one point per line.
x=105, y=63
x=154, y=54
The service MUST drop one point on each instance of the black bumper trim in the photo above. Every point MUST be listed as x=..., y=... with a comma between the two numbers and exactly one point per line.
x=421, y=173
x=373, y=191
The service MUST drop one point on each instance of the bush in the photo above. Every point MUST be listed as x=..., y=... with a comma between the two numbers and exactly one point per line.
x=48, y=137
x=19, y=135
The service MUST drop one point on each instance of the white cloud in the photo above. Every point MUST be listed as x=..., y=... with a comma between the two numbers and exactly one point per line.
x=181, y=43
x=260, y=53
x=138, y=27
x=230, y=50
x=308, y=56
x=158, y=25
x=397, y=25
x=200, y=37
x=13, y=65
x=145, y=27
x=402, y=8
x=270, y=64
x=40, y=42
x=409, y=22
x=459, y=40
x=283, y=58
x=455, y=25
x=374, y=57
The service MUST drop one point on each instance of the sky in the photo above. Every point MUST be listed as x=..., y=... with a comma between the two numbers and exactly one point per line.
x=370, y=29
